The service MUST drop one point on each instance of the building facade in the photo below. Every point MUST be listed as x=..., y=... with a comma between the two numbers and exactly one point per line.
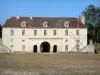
x=44, y=34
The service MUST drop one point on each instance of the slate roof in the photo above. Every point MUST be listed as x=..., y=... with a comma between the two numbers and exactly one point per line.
x=37, y=22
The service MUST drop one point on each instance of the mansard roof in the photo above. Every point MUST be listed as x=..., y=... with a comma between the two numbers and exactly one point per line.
x=37, y=22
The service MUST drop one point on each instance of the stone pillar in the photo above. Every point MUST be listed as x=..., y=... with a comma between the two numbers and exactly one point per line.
x=91, y=47
x=51, y=48
x=38, y=49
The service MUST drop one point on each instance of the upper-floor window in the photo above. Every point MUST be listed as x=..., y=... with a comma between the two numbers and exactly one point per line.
x=45, y=32
x=45, y=24
x=66, y=24
x=77, y=32
x=23, y=32
x=66, y=32
x=54, y=32
x=35, y=32
x=23, y=24
x=11, y=32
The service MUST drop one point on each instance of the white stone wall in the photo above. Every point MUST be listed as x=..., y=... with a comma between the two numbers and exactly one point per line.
x=31, y=40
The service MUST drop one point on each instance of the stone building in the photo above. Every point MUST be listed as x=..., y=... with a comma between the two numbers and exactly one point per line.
x=44, y=34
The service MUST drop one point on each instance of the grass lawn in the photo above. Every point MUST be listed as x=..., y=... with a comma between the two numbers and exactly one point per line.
x=97, y=48
x=29, y=60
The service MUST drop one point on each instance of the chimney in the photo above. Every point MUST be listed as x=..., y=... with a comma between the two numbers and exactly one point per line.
x=82, y=18
x=4, y=22
x=31, y=17
x=17, y=16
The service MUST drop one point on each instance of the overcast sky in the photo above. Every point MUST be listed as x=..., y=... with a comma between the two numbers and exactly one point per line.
x=50, y=8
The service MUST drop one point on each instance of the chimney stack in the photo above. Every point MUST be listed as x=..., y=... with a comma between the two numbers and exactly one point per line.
x=82, y=18
x=31, y=17
x=17, y=16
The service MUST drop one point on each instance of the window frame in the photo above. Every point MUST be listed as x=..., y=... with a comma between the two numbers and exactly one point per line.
x=35, y=32
x=77, y=32
x=23, y=40
x=66, y=23
x=11, y=46
x=66, y=32
x=23, y=47
x=66, y=47
x=23, y=32
x=77, y=47
x=45, y=32
x=11, y=32
x=77, y=41
x=45, y=24
x=23, y=24
x=54, y=32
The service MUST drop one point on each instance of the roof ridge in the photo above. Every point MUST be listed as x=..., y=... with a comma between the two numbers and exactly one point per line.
x=45, y=17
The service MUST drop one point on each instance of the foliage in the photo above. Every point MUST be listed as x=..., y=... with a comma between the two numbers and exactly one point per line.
x=92, y=21
x=0, y=31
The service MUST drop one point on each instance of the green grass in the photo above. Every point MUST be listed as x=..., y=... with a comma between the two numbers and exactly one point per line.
x=97, y=48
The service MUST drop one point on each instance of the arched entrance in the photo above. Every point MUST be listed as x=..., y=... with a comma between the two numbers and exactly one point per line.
x=55, y=48
x=45, y=47
x=35, y=49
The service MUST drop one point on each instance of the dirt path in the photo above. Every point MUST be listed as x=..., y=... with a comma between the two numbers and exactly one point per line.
x=50, y=64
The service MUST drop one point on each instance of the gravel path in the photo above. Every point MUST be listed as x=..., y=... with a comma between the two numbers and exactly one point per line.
x=50, y=71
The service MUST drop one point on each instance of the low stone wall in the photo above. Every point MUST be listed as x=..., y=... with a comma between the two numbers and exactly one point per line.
x=4, y=49
x=89, y=48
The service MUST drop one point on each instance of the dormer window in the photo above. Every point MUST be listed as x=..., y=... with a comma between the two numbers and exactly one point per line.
x=66, y=24
x=23, y=24
x=45, y=24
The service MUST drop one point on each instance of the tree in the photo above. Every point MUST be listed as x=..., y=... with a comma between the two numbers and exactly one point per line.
x=0, y=31
x=92, y=21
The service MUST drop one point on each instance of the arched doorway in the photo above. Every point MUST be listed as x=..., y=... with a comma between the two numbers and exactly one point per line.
x=55, y=48
x=45, y=47
x=35, y=49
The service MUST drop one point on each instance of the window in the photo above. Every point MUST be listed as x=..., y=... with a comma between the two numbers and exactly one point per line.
x=35, y=32
x=66, y=32
x=11, y=40
x=23, y=32
x=66, y=40
x=45, y=24
x=11, y=32
x=77, y=47
x=23, y=40
x=66, y=47
x=23, y=47
x=66, y=24
x=45, y=32
x=54, y=32
x=77, y=41
x=23, y=24
x=12, y=46
x=77, y=32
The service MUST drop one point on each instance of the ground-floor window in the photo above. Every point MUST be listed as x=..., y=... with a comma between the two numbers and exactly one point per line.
x=66, y=47
x=11, y=48
x=23, y=47
x=77, y=47
x=55, y=48
x=35, y=48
